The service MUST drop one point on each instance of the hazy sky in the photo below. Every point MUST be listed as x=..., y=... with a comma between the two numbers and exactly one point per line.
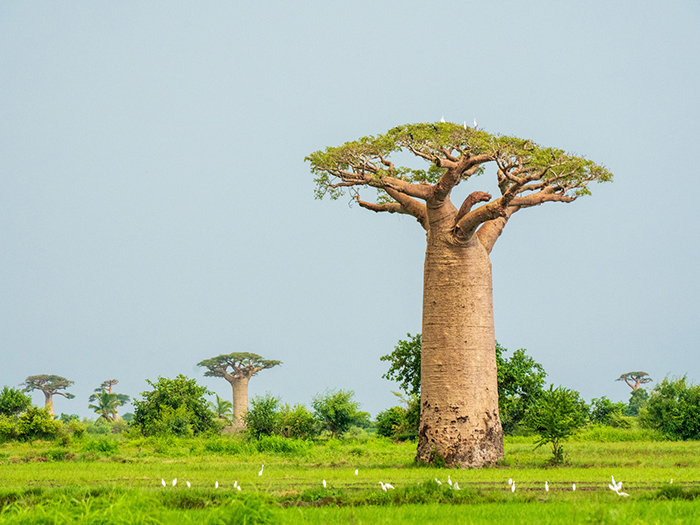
x=156, y=209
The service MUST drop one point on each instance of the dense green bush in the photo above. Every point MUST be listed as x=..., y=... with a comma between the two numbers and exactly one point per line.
x=555, y=415
x=638, y=400
x=674, y=409
x=336, y=411
x=296, y=422
x=174, y=406
x=13, y=402
x=605, y=412
x=389, y=421
x=262, y=416
x=37, y=423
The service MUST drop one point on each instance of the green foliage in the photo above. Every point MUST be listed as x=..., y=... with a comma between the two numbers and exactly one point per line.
x=106, y=404
x=296, y=422
x=238, y=361
x=336, y=411
x=405, y=364
x=370, y=157
x=222, y=408
x=604, y=412
x=674, y=409
x=37, y=423
x=555, y=415
x=50, y=384
x=400, y=422
x=174, y=406
x=13, y=402
x=520, y=382
x=638, y=400
x=8, y=428
x=262, y=416
x=389, y=420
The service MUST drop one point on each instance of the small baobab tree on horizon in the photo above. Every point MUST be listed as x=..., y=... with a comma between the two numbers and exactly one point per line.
x=635, y=380
x=106, y=401
x=237, y=368
x=50, y=386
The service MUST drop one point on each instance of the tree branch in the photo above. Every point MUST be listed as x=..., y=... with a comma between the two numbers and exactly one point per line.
x=490, y=231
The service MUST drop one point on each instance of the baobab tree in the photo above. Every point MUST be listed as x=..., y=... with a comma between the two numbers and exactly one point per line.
x=237, y=368
x=459, y=393
x=106, y=401
x=635, y=379
x=50, y=386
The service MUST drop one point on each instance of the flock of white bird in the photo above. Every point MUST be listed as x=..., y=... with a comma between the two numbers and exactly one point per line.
x=465, y=122
x=616, y=487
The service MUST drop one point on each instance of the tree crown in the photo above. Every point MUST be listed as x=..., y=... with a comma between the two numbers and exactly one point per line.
x=241, y=364
x=49, y=384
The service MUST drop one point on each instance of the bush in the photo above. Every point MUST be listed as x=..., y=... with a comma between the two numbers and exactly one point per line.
x=556, y=415
x=336, y=411
x=8, y=428
x=261, y=418
x=604, y=412
x=174, y=406
x=389, y=421
x=638, y=400
x=297, y=422
x=37, y=423
x=13, y=402
x=674, y=409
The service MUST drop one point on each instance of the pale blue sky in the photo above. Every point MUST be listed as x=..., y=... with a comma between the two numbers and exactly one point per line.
x=156, y=210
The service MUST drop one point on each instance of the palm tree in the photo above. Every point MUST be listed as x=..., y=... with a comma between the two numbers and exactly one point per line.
x=107, y=404
x=222, y=408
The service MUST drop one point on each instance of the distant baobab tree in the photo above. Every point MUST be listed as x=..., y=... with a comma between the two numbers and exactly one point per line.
x=237, y=368
x=635, y=379
x=106, y=401
x=50, y=386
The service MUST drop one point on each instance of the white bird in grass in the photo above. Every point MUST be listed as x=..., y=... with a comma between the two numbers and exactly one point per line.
x=235, y=484
x=356, y=471
x=671, y=480
x=261, y=470
x=174, y=482
x=188, y=484
x=438, y=481
x=573, y=487
x=512, y=487
x=162, y=482
x=238, y=487
x=216, y=484
x=615, y=487
x=546, y=486
x=383, y=486
x=324, y=483
x=510, y=481
x=449, y=480
x=456, y=486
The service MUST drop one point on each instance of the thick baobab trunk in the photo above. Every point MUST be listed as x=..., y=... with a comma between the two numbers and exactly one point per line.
x=459, y=385
x=240, y=401
x=48, y=403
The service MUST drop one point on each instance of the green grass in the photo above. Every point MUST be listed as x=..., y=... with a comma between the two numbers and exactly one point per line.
x=111, y=479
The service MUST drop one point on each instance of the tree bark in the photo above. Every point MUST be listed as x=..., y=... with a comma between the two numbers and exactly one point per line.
x=460, y=422
x=48, y=404
x=240, y=400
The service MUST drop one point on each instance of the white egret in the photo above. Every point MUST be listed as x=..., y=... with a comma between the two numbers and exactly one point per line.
x=356, y=471
x=162, y=482
x=188, y=484
x=324, y=483
x=261, y=470
x=438, y=481
x=465, y=124
x=442, y=119
x=510, y=481
x=456, y=486
x=671, y=480
x=235, y=484
x=216, y=484
x=389, y=485
x=512, y=487
x=449, y=480
x=546, y=486
x=573, y=487
x=238, y=487
x=383, y=486
x=174, y=482
x=474, y=123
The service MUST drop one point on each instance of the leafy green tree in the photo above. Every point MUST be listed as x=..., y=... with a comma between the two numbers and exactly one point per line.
x=520, y=382
x=296, y=422
x=262, y=417
x=674, y=409
x=106, y=404
x=50, y=385
x=638, y=400
x=222, y=408
x=174, y=406
x=604, y=412
x=405, y=364
x=458, y=342
x=389, y=421
x=237, y=368
x=107, y=386
x=555, y=415
x=336, y=411
x=13, y=402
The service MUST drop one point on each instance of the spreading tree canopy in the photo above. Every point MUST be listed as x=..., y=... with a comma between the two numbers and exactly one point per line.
x=50, y=385
x=460, y=422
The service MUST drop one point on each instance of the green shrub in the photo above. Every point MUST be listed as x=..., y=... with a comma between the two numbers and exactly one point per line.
x=603, y=411
x=674, y=409
x=296, y=423
x=174, y=406
x=37, y=423
x=13, y=402
x=389, y=421
x=8, y=428
x=227, y=446
x=281, y=445
x=336, y=411
x=261, y=418
x=103, y=445
x=638, y=400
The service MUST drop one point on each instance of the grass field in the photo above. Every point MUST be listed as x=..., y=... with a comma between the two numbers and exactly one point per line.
x=115, y=480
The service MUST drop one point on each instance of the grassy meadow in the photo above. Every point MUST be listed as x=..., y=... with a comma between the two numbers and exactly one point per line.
x=113, y=479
